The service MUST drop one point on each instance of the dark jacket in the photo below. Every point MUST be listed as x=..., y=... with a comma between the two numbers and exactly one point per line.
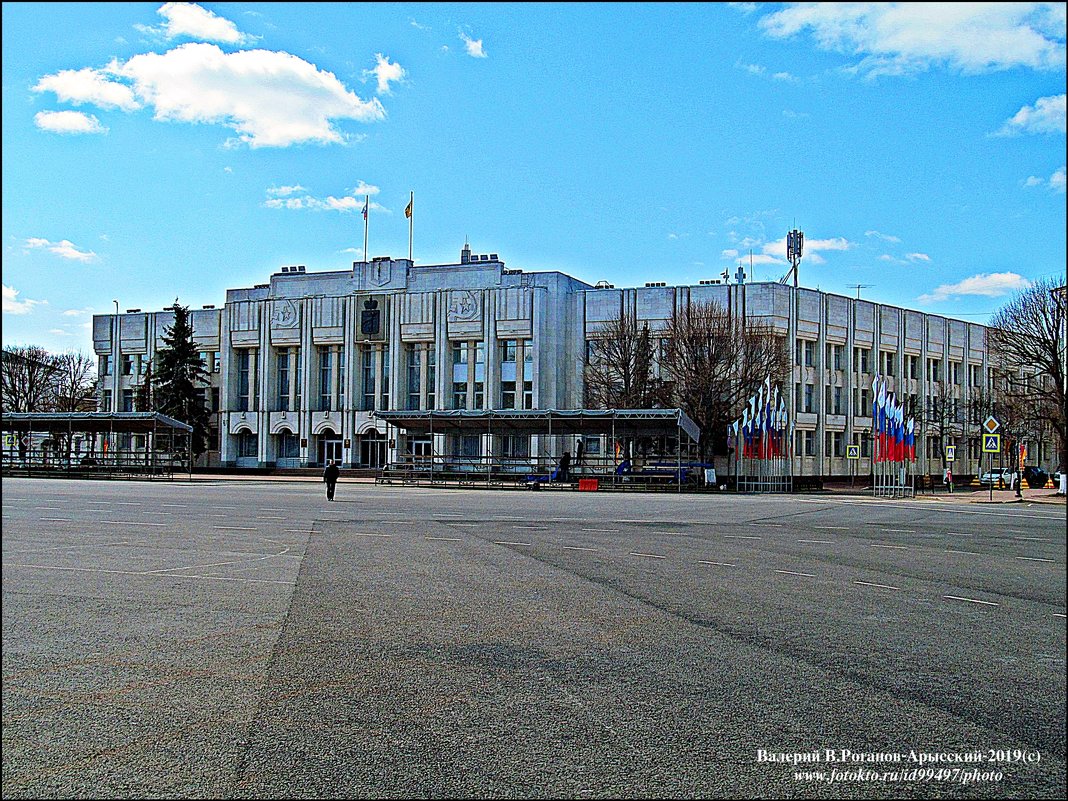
x=331, y=473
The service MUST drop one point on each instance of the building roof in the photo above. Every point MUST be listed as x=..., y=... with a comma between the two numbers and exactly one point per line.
x=621, y=422
x=119, y=422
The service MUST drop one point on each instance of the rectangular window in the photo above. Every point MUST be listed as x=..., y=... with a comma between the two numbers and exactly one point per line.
x=127, y=364
x=367, y=357
x=414, y=369
x=105, y=401
x=243, y=386
x=835, y=403
x=459, y=395
x=459, y=352
x=282, y=361
x=470, y=446
x=835, y=440
x=385, y=378
x=528, y=394
x=326, y=375
x=886, y=362
x=341, y=378
x=105, y=365
x=834, y=357
x=216, y=364
x=247, y=444
x=934, y=370
x=215, y=399
x=808, y=399
x=806, y=443
x=954, y=373
x=127, y=400
x=810, y=353
x=528, y=351
x=431, y=377
x=509, y=347
x=515, y=446
x=508, y=394
x=480, y=397
x=862, y=360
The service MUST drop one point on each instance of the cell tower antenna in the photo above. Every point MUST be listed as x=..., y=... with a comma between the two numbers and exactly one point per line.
x=795, y=241
x=859, y=287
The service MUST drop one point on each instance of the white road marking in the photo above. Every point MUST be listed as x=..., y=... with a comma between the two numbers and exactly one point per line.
x=235, y=528
x=1033, y=559
x=265, y=518
x=176, y=505
x=1057, y=614
x=970, y=600
x=821, y=542
x=297, y=530
x=446, y=539
x=678, y=533
x=739, y=537
x=970, y=553
x=49, y=508
x=601, y=530
x=772, y=525
x=128, y=503
x=219, y=564
x=718, y=564
x=794, y=573
x=957, y=534
x=882, y=586
x=465, y=525
x=647, y=555
x=834, y=528
x=899, y=547
x=62, y=519
x=1033, y=539
x=367, y=534
x=532, y=528
x=900, y=530
x=578, y=548
x=505, y=542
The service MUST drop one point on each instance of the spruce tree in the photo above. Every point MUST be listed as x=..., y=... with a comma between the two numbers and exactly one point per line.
x=177, y=374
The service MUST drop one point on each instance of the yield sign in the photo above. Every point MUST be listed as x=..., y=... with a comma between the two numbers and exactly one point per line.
x=991, y=424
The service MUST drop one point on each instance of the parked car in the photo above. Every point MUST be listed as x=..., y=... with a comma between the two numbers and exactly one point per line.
x=1035, y=477
x=992, y=477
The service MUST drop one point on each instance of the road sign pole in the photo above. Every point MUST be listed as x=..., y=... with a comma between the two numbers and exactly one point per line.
x=990, y=472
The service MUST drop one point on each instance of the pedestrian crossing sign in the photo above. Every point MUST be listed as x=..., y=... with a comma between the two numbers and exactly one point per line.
x=951, y=452
x=991, y=443
x=852, y=451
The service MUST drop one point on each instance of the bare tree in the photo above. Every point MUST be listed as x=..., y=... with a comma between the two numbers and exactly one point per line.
x=717, y=362
x=620, y=371
x=941, y=417
x=1027, y=340
x=29, y=379
x=75, y=383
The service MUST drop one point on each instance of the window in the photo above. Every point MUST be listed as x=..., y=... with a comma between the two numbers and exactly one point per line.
x=367, y=365
x=470, y=447
x=834, y=357
x=508, y=394
x=283, y=379
x=862, y=401
x=326, y=376
x=385, y=378
x=414, y=369
x=806, y=443
x=341, y=378
x=528, y=352
x=105, y=365
x=934, y=370
x=806, y=353
x=201, y=396
x=862, y=359
x=509, y=348
x=805, y=399
x=247, y=445
x=528, y=394
x=205, y=360
x=216, y=365
x=459, y=395
x=954, y=373
x=288, y=446
x=835, y=444
x=480, y=397
x=105, y=401
x=912, y=366
x=515, y=446
x=886, y=362
x=127, y=364
x=431, y=377
x=835, y=401
x=243, y=386
x=459, y=353
x=215, y=399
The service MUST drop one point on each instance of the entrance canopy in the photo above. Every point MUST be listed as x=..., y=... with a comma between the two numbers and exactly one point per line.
x=625, y=422
x=91, y=422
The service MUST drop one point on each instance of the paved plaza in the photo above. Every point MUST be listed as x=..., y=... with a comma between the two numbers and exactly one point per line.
x=250, y=639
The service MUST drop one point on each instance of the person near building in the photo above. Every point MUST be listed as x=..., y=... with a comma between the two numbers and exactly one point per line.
x=564, y=473
x=947, y=479
x=330, y=476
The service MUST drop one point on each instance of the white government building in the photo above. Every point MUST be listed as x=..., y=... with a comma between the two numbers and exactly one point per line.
x=299, y=364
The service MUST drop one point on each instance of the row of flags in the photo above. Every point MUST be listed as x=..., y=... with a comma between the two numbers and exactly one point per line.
x=895, y=435
x=763, y=430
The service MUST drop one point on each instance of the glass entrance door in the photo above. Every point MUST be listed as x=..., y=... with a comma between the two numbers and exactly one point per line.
x=330, y=449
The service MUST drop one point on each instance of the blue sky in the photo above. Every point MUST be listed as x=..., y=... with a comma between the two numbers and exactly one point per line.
x=160, y=151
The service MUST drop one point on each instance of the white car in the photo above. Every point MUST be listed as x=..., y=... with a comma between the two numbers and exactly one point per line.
x=1003, y=473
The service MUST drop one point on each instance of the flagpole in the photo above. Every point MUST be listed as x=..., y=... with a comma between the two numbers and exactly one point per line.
x=366, y=215
x=411, y=222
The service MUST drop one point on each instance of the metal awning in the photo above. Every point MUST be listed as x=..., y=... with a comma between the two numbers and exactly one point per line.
x=95, y=422
x=621, y=422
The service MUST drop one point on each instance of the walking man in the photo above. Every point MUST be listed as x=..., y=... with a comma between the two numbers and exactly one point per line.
x=564, y=473
x=330, y=476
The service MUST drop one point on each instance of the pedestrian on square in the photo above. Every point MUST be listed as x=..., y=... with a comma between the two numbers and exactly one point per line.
x=564, y=473
x=330, y=476
x=947, y=479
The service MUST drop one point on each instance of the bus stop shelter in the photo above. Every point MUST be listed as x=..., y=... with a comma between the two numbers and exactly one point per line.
x=103, y=444
x=548, y=425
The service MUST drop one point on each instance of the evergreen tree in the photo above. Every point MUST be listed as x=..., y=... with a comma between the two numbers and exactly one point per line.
x=177, y=374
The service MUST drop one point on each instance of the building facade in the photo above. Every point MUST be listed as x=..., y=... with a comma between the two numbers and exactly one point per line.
x=299, y=364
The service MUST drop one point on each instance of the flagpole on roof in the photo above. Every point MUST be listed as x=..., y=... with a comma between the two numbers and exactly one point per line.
x=366, y=209
x=409, y=213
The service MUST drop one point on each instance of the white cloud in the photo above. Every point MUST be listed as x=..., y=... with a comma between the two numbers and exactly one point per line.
x=809, y=248
x=272, y=99
x=882, y=236
x=68, y=122
x=898, y=38
x=1054, y=183
x=385, y=72
x=914, y=257
x=1047, y=115
x=195, y=22
x=795, y=115
x=64, y=249
x=785, y=76
x=77, y=312
x=752, y=69
x=12, y=305
x=990, y=285
x=729, y=253
x=344, y=204
x=88, y=86
x=473, y=46
x=282, y=191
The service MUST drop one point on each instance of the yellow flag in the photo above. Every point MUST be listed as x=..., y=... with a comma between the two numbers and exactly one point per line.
x=408, y=210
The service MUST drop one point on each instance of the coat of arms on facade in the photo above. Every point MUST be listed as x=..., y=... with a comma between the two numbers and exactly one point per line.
x=379, y=273
x=463, y=306
x=370, y=318
x=284, y=315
